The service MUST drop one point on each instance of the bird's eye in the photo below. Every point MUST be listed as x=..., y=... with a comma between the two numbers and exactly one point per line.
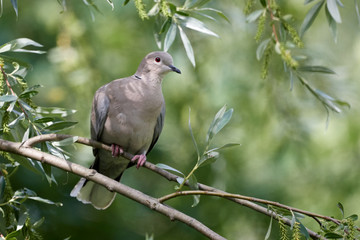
x=157, y=59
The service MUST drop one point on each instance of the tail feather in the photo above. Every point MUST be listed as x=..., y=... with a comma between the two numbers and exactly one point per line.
x=91, y=193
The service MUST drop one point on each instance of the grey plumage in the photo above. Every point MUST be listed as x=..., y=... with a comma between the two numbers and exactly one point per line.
x=127, y=113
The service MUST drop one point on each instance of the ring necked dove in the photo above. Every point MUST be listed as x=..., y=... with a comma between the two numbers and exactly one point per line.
x=127, y=113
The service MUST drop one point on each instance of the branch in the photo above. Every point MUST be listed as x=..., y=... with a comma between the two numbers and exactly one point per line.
x=206, y=190
x=112, y=185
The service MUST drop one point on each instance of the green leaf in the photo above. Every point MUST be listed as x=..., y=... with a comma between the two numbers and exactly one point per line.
x=193, y=184
x=218, y=12
x=154, y=10
x=310, y=17
x=303, y=230
x=317, y=69
x=353, y=217
x=341, y=207
x=165, y=25
x=111, y=4
x=170, y=36
x=126, y=2
x=8, y=98
x=221, y=119
x=171, y=169
x=308, y=1
x=195, y=24
x=44, y=120
x=17, y=45
x=192, y=136
x=267, y=236
x=334, y=10
x=66, y=141
x=39, y=222
x=208, y=158
x=357, y=10
x=332, y=24
x=61, y=125
x=229, y=145
x=15, y=6
x=187, y=46
x=55, y=111
x=333, y=235
x=263, y=3
x=261, y=48
x=252, y=17
x=47, y=201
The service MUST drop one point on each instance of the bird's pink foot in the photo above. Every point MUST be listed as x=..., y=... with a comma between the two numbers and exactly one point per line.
x=141, y=159
x=116, y=150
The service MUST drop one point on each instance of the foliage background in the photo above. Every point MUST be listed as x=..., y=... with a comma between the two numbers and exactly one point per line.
x=287, y=154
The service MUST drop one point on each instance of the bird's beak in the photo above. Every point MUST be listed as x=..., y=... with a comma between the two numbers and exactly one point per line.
x=175, y=69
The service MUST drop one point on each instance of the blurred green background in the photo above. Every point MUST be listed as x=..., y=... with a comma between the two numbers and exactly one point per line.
x=287, y=154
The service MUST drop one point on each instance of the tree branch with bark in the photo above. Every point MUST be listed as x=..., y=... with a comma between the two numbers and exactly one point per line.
x=157, y=204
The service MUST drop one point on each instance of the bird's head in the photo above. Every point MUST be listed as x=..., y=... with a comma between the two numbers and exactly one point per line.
x=157, y=64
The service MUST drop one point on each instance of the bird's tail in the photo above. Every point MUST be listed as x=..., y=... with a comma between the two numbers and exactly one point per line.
x=91, y=193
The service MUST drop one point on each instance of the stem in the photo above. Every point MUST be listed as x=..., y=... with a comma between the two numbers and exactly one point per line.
x=188, y=176
x=272, y=19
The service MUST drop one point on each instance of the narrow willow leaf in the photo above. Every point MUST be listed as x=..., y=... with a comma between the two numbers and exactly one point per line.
x=327, y=100
x=126, y=2
x=342, y=103
x=308, y=1
x=171, y=169
x=332, y=24
x=357, y=10
x=252, y=17
x=353, y=217
x=310, y=17
x=229, y=145
x=15, y=6
x=196, y=200
x=223, y=121
x=317, y=69
x=303, y=230
x=111, y=4
x=193, y=183
x=47, y=201
x=261, y=48
x=334, y=10
x=165, y=25
x=1, y=7
x=195, y=24
x=61, y=125
x=331, y=235
x=17, y=45
x=8, y=98
x=193, y=138
x=263, y=3
x=341, y=207
x=154, y=10
x=187, y=46
x=43, y=120
x=268, y=233
x=170, y=36
x=55, y=111
x=217, y=118
x=39, y=222
x=218, y=12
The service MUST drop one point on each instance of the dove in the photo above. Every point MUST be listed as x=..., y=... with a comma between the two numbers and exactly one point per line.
x=128, y=114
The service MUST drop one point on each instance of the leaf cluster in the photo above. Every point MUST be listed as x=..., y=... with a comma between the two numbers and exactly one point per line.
x=206, y=156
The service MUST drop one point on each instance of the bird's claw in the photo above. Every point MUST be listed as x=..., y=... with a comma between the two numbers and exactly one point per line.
x=141, y=159
x=116, y=150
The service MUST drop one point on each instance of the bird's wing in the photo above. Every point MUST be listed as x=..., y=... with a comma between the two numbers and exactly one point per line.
x=99, y=113
x=158, y=127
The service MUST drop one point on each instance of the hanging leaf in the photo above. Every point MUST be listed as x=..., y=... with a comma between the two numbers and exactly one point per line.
x=187, y=46
x=341, y=207
x=332, y=24
x=111, y=4
x=195, y=24
x=8, y=98
x=170, y=36
x=268, y=233
x=252, y=17
x=334, y=10
x=310, y=17
x=15, y=6
x=220, y=120
x=218, y=12
x=261, y=48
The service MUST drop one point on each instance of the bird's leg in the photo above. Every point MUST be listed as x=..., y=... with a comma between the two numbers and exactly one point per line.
x=116, y=150
x=141, y=160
